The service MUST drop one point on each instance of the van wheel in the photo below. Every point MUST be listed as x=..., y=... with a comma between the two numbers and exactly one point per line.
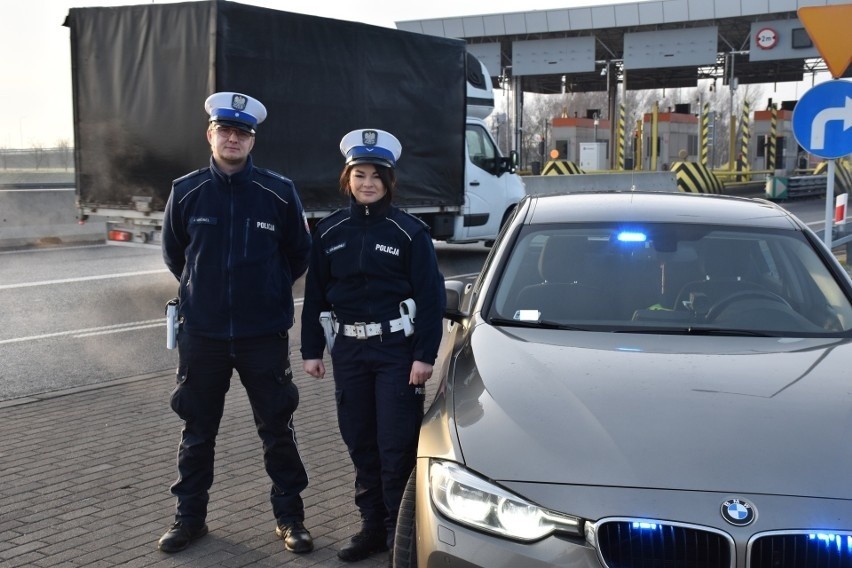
x=507, y=215
x=405, y=540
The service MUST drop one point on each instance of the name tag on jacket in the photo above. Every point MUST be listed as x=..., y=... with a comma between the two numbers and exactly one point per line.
x=203, y=220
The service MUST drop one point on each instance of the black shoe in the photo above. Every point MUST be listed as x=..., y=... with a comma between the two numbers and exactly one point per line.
x=296, y=537
x=363, y=544
x=179, y=536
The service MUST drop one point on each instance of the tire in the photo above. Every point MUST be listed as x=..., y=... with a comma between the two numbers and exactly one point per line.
x=405, y=539
x=506, y=216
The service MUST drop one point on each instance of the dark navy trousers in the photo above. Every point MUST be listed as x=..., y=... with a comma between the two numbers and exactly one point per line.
x=203, y=378
x=379, y=416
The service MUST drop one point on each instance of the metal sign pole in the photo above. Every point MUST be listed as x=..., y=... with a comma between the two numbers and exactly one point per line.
x=829, y=204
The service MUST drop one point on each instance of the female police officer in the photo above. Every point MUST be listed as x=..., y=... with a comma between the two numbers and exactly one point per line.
x=366, y=261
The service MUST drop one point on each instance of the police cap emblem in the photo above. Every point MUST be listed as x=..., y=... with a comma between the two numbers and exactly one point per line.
x=369, y=137
x=238, y=102
x=738, y=512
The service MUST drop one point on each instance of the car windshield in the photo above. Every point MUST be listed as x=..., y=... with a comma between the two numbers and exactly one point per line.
x=669, y=278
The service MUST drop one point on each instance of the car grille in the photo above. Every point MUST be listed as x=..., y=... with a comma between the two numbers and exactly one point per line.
x=626, y=543
x=797, y=549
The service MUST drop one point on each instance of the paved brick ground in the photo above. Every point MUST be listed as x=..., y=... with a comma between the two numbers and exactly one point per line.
x=84, y=478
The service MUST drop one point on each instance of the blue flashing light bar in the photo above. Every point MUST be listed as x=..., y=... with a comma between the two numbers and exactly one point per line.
x=632, y=237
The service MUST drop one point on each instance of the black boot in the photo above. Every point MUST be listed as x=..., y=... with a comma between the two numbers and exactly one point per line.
x=363, y=544
x=180, y=535
x=296, y=537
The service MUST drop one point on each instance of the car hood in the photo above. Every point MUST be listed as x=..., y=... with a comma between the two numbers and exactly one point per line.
x=759, y=415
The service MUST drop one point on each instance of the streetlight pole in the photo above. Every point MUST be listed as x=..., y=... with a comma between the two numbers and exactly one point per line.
x=597, y=121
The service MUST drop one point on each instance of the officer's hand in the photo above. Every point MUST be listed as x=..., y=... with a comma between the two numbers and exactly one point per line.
x=314, y=367
x=420, y=373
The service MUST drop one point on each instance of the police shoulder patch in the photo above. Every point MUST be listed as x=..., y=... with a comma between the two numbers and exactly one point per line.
x=190, y=175
x=417, y=221
x=334, y=217
x=273, y=174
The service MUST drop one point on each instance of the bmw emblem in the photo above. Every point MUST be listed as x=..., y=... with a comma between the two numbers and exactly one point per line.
x=738, y=512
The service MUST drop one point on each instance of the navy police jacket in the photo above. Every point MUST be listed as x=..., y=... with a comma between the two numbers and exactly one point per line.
x=365, y=260
x=236, y=243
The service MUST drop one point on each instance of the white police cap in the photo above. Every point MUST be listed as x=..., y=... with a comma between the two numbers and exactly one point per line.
x=235, y=109
x=371, y=146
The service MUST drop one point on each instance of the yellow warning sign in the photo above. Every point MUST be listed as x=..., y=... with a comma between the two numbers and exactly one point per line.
x=828, y=27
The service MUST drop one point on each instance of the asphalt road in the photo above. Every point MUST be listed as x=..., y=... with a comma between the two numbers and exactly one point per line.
x=78, y=316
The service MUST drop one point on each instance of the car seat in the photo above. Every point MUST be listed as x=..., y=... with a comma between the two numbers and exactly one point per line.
x=569, y=290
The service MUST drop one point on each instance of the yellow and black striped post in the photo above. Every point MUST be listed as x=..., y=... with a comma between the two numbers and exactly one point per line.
x=842, y=175
x=653, y=139
x=696, y=178
x=620, y=146
x=773, y=135
x=705, y=134
x=745, y=135
x=560, y=168
x=637, y=149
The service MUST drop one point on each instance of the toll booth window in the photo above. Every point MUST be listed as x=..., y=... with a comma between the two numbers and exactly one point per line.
x=692, y=144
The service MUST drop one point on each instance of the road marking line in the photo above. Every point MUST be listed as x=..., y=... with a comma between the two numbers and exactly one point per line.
x=133, y=328
x=90, y=331
x=82, y=279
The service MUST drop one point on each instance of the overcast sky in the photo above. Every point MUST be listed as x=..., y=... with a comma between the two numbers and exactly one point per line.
x=35, y=72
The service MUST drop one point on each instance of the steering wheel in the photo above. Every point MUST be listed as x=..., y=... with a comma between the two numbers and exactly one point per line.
x=720, y=306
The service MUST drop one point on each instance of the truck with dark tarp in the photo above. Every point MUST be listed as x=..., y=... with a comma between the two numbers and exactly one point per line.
x=140, y=75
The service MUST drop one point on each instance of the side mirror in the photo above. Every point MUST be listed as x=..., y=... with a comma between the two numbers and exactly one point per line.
x=508, y=163
x=455, y=296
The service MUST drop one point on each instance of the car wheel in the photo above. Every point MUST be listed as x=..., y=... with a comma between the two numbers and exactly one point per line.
x=405, y=540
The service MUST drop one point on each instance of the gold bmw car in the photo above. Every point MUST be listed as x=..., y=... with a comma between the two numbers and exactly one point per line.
x=641, y=380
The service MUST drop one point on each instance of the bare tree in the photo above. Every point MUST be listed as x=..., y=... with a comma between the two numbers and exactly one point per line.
x=64, y=147
x=40, y=158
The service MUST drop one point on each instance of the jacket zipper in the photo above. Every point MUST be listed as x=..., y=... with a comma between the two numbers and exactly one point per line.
x=230, y=259
x=246, y=238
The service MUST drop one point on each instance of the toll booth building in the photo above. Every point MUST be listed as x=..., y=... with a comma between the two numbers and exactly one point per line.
x=584, y=141
x=676, y=131
x=786, y=148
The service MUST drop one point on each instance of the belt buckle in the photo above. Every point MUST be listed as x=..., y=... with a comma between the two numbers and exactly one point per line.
x=360, y=329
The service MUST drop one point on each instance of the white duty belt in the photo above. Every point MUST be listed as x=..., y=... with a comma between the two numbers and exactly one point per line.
x=363, y=330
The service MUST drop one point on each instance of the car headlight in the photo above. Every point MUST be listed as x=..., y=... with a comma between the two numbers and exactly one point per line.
x=476, y=502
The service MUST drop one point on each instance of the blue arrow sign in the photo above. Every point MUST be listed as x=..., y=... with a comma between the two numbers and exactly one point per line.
x=822, y=120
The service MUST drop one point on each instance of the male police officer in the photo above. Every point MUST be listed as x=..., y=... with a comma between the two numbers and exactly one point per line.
x=236, y=237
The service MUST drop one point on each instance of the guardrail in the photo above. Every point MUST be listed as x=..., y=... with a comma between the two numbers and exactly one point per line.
x=44, y=217
x=839, y=238
x=37, y=185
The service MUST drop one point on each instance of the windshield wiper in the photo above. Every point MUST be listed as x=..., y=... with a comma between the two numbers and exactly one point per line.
x=540, y=324
x=697, y=331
